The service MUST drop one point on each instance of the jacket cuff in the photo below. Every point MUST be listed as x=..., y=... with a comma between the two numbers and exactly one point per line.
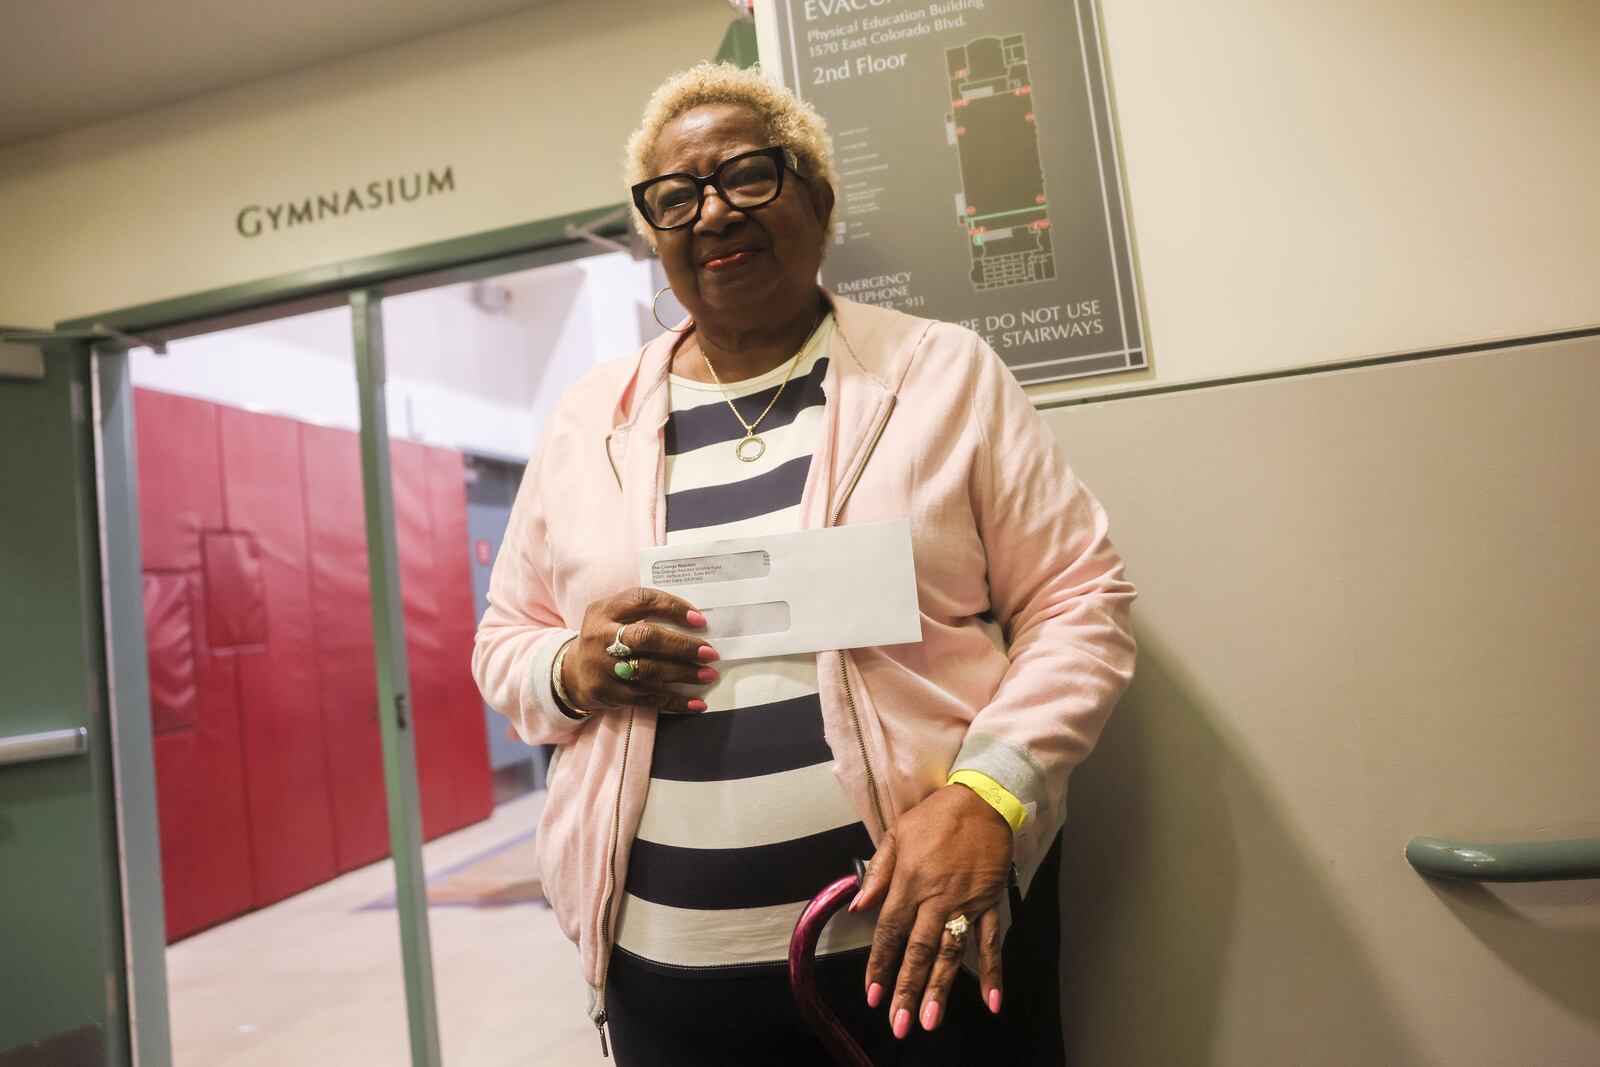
x=1006, y=765
x=538, y=699
x=996, y=795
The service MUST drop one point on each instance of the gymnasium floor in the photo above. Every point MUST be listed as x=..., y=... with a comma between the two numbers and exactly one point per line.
x=316, y=979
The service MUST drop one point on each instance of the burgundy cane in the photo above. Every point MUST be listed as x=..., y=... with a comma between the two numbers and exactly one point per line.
x=802, y=969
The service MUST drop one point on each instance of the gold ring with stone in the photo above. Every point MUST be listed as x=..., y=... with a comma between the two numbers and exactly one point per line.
x=957, y=928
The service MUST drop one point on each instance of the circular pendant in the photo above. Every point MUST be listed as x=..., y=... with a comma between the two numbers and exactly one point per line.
x=756, y=447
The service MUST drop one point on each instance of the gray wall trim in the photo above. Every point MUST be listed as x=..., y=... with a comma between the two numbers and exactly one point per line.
x=1323, y=368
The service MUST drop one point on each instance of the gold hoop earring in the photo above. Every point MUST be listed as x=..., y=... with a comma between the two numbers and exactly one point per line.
x=657, y=314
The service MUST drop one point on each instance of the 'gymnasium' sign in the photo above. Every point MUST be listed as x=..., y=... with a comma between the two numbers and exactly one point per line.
x=255, y=219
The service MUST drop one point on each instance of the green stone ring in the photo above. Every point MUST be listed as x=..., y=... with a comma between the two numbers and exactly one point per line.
x=624, y=669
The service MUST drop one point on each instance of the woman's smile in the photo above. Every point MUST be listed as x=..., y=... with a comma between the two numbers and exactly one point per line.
x=729, y=258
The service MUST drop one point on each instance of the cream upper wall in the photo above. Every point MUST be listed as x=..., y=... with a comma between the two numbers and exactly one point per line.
x=530, y=111
x=1307, y=181
x=1318, y=181
x=1312, y=181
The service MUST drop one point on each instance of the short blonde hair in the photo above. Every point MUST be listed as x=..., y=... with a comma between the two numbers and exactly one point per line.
x=789, y=121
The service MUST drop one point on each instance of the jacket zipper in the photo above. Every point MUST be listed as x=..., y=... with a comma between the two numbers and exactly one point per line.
x=855, y=476
x=844, y=669
x=611, y=853
x=614, y=472
x=611, y=889
x=861, y=742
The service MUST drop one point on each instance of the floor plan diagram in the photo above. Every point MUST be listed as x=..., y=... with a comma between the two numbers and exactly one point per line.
x=1001, y=204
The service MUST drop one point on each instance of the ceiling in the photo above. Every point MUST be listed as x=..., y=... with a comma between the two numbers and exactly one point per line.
x=68, y=63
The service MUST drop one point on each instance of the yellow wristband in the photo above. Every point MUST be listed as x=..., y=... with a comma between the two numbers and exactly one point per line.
x=1009, y=807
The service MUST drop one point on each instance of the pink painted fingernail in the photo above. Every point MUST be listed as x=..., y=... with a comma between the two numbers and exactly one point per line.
x=856, y=902
x=930, y=1015
x=902, y=1023
x=706, y=674
x=695, y=618
x=994, y=1002
x=697, y=705
x=874, y=994
x=707, y=654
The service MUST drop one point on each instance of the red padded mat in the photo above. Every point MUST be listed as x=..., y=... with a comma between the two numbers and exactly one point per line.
x=291, y=817
x=458, y=621
x=171, y=646
x=200, y=794
x=258, y=616
x=346, y=672
x=413, y=517
x=236, y=609
x=180, y=478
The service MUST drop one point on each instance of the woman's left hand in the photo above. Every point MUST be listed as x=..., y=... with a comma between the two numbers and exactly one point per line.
x=950, y=855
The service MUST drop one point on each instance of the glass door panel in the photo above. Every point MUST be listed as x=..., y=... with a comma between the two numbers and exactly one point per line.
x=269, y=768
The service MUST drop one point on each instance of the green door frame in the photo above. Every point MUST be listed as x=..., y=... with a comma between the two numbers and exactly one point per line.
x=394, y=681
x=144, y=938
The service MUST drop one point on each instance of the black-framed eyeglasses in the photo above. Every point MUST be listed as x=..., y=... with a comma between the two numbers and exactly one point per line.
x=745, y=182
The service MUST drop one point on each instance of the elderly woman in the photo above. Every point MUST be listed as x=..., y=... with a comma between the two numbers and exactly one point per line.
x=696, y=804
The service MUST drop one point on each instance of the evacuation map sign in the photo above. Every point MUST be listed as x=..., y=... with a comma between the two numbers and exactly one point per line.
x=978, y=175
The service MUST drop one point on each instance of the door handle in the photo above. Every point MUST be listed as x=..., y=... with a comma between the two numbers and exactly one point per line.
x=1511, y=861
x=52, y=744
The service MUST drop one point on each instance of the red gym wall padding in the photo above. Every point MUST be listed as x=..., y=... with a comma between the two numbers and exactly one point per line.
x=206, y=866
x=286, y=766
x=263, y=688
x=335, y=524
x=461, y=707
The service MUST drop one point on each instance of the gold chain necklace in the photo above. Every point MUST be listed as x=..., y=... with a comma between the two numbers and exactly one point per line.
x=757, y=446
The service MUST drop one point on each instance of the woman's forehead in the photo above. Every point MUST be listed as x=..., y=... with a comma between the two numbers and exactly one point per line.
x=703, y=136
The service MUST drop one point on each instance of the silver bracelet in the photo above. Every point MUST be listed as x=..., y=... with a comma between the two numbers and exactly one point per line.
x=555, y=681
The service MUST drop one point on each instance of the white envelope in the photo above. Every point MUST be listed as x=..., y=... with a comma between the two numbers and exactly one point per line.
x=805, y=591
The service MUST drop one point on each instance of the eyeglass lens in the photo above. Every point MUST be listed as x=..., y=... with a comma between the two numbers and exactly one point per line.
x=748, y=182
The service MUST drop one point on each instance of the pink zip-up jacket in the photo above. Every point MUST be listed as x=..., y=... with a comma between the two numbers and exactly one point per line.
x=1025, y=642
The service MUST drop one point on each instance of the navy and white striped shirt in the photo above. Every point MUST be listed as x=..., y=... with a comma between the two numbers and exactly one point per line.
x=744, y=821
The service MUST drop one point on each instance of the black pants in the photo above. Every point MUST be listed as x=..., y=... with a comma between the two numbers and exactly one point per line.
x=662, y=1020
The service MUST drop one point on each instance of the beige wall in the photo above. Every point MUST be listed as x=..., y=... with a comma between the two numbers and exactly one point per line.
x=1317, y=181
x=1367, y=612
x=1307, y=181
x=530, y=112
x=1312, y=181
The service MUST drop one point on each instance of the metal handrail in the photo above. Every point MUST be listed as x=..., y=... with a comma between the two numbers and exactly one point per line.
x=1511, y=861
x=27, y=748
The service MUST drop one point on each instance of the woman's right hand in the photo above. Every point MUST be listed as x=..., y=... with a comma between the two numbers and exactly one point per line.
x=665, y=657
